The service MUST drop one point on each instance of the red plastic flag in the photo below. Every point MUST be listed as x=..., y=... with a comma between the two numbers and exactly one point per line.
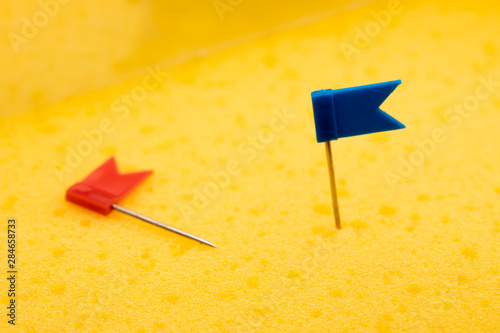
x=105, y=187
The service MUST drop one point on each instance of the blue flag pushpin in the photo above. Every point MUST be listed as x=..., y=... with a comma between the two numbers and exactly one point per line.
x=348, y=112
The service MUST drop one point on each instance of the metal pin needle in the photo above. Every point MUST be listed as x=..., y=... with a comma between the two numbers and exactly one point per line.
x=161, y=225
x=333, y=187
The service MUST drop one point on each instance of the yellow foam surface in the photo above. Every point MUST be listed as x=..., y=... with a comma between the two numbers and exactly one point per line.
x=231, y=139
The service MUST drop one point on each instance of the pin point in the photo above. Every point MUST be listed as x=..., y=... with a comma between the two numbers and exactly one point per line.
x=349, y=112
x=105, y=187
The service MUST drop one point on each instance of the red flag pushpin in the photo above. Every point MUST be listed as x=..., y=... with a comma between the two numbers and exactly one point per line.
x=104, y=187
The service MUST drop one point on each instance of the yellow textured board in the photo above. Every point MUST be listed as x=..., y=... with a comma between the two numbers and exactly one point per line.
x=229, y=133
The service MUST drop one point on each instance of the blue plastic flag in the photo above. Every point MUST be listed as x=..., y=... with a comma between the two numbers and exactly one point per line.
x=353, y=111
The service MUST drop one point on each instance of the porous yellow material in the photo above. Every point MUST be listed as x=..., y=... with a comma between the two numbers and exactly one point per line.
x=231, y=139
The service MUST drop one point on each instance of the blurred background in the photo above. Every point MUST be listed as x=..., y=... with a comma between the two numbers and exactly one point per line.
x=56, y=48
